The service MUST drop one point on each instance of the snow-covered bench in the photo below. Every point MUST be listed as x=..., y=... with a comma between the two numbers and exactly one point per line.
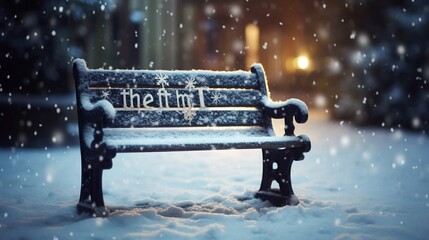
x=151, y=111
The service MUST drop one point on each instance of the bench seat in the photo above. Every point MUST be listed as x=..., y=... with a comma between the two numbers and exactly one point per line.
x=197, y=138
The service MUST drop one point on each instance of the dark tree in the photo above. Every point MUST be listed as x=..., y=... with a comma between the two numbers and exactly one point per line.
x=38, y=40
x=382, y=49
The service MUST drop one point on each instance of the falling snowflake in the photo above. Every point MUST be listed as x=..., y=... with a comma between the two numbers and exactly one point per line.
x=217, y=97
x=190, y=83
x=189, y=115
x=161, y=80
x=105, y=94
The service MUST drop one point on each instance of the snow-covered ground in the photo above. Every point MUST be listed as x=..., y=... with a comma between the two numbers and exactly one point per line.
x=356, y=183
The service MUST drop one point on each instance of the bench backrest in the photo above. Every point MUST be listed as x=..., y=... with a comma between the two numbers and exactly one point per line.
x=155, y=98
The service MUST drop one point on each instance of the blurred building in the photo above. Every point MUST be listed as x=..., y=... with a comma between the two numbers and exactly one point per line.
x=218, y=35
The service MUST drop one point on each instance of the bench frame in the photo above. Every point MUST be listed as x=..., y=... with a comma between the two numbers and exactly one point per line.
x=97, y=155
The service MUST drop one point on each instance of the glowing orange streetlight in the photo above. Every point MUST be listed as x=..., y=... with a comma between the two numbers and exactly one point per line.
x=302, y=62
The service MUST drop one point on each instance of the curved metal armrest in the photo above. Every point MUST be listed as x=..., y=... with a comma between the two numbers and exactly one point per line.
x=98, y=113
x=102, y=106
x=287, y=110
x=92, y=117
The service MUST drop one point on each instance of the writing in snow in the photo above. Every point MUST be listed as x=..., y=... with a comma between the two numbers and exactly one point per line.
x=162, y=99
x=180, y=98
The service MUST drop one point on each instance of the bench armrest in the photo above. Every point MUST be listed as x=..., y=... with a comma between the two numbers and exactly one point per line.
x=98, y=112
x=102, y=105
x=287, y=110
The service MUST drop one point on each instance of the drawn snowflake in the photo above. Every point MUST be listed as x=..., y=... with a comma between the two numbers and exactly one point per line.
x=161, y=80
x=189, y=115
x=217, y=97
x=190, y=83
x=105, y=94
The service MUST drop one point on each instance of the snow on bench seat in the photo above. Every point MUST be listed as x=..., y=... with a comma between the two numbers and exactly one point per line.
x=197, y=138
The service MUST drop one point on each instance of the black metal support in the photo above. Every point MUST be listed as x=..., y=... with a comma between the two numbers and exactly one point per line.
x=94, y=160
x=277, y=167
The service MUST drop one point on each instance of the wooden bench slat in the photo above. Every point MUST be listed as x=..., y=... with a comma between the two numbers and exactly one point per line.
x=121, y=98
x=178, y=79
x=249, y=143
x=194, y=133
x=210, y=138
x=187, y=118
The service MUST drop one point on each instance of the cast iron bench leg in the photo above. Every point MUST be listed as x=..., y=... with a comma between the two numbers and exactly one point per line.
x=91, y=194
x=280, y=172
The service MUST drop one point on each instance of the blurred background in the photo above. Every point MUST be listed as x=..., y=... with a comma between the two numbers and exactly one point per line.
x=364, y=62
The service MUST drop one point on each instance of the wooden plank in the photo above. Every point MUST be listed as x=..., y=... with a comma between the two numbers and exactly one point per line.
x=187, y=144
x=187, y=118
x=137, y=99
x=131, y=135
x=174, y=79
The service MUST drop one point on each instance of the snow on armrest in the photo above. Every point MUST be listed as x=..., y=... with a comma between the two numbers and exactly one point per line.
x=291, y=107
x=105, y=105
